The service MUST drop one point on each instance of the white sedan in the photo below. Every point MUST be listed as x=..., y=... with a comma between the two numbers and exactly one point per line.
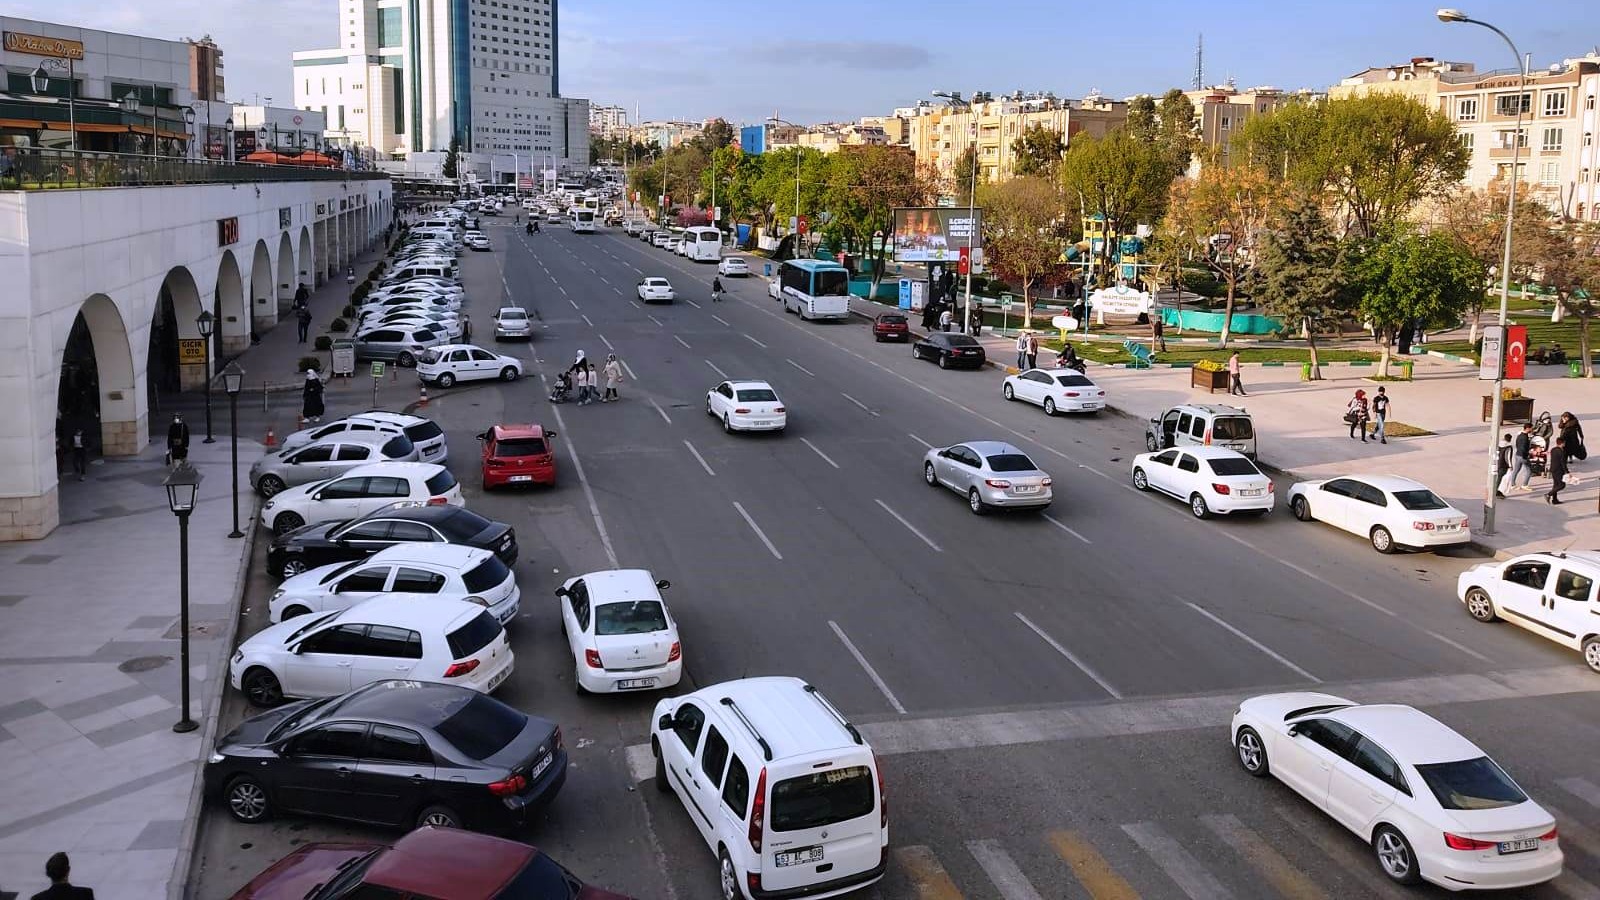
x=746, y=406
x=1210, y=479
x=1057, y=390
x=1431, y=804
x=733, y=267
x=359, y=491
x=653, y=290
x=477, y=240
x=619, y=631
x=1551, y=594
x=419, y=571
x=1390, y=511
x=447, y=364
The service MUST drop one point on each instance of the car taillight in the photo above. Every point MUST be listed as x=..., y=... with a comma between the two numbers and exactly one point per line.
x=460, y=668
x=1221, y=489
x=438, y=501
x=754, y=880
x=1046, y=482
x=742, y=411
x=1549, y=835
x=1457, y=842
x=1422, y=526
x=777, y=409
x=1208, y=437
x=1271, y=488
x=883, y=795
x=493, y=463
x=508, y=787
x=592, y=659
x=758, y=811
x=558, y=743
x=676, y=653
x=997, y=482
x=1072, y=393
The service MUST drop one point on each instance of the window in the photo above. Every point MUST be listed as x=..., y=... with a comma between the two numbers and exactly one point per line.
x=365, y=580
x=341, y=739
x=367, y=531
x=313, y=455
x=715, y=756
x=474, y=636
x=411, y=532
x=1527, y=574
x=342, y=639
x=1229, y=465
x=1165, y=459
x=1184, y=420
x=1327, y=733
x=401, y=745
x=1572, y=586
x=393, y=643
x=1366, y=493
x=353, y=452
x=439, y=483
x=1467, y=109
x=1466, y=139
x=823, y=798
x=1588, y=102
x=482, y=727
x=1370, y=758
x=1550, y=172
x=1555, y=103
x=487, y=575
x=418, y=581
x=1507, y=104
x=1552, y=139
x=630, y=617
x=1340, y=487
x=687, y=723
x=736, y=789
x=385, y=486
x=1187, y=463
x=1233, y=428
x=1471, y=784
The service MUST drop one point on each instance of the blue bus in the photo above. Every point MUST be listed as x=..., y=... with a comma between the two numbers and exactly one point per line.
x=813, y=288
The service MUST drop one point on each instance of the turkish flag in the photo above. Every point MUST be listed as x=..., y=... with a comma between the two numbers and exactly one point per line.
x=1516, y=351
x=964, y=263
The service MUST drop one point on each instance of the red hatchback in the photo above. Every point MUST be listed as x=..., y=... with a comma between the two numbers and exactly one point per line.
x=517, y=454
x=891, y=327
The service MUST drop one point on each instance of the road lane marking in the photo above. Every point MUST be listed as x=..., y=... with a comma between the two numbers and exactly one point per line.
x=1002, y=870
x=586, y=320
x=1179, y=864
x=562, y=290
x=919, y=440
x=657, y=321
x=1088, y=866
x=717, y=370
x=572, y=301
x=800, y=367
x=1573, y=834
x=1057, y=523
x=825, y=457
x=1082, y=666
x=757, y=529
x=629, y=369
x=1284, y=875
x=700, y=459
x=756, y=342
x=588, y=490
x=633, y=303
x=692, y=303
x=720, y=319
x=1582, y=788
x=682, y=342
x=660, y=411
x=1254, y=643
x=871, y=672
x=607, y=343
x=910, y=527
x=863, y=406
x=1459, y=646
x=929, y=880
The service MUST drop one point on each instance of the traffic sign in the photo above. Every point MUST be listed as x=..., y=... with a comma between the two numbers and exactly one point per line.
x=377, y=368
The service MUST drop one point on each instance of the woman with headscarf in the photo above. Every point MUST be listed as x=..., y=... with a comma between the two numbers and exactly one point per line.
x=311, y=397
x=613, y=373
x=1567, y=428
x=177, y=440
x=1357, y=414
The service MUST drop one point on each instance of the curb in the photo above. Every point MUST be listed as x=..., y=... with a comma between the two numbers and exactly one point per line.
x=1440, y=354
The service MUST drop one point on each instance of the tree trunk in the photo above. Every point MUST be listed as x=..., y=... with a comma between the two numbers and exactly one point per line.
x=1311, y=347
x=1584, y=315
x=1227, y=312
x=1477, y=322
x=1027, y=305
x=1385, y=335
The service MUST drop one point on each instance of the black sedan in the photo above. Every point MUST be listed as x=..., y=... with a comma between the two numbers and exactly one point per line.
x=396, y=753
x=334, y=542
x=950, y=350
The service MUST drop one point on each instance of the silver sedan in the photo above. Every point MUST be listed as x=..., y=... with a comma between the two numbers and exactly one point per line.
x=325, y=458
x=990, y=474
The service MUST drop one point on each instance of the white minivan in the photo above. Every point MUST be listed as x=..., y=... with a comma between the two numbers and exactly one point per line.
x=782, y=787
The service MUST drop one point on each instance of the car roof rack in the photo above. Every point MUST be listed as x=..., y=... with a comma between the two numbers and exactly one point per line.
x=766, y=749
x=811, y=689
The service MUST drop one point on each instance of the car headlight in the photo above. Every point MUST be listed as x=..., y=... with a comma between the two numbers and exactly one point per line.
x=275, y=595
x=215, y=758
x=269, y=504
x=238, y=656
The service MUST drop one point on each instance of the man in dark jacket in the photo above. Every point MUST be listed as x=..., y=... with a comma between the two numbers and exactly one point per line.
x=57, y=868
x=1557, y=462
x=1519, y=459
x=302, y=297
x=177, y=440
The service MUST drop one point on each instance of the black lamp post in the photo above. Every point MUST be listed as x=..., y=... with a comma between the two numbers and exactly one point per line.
x=182, y=486
x=205, y=321
x=233, y=382
x=41, y=83
x=227, y=130
x=188, y=124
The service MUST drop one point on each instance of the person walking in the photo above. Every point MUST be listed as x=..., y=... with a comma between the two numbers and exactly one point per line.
x=311, y=397
x=58, y=869
x=302, y=296
x=580, y=380
x=1033, y=350
x=1158, y=334
x=946, y=319
x=613, y=373
x=80, y=455
x=1235, y=386
x=716, y=289
x=1557, y=467
x=1380, y=415
x=1520, y=449
x=1022, y=350
x=466, y=328
x=177, y=440
x=1355, y=414
x=303, y=318
x=1503, y=465
x=1567, y=426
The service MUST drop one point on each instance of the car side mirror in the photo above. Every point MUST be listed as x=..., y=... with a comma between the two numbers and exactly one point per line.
x=1294, y=731
x=317, y=496
x=550, y=433
x=663, y=584
x=666, y=723
x=561, y=592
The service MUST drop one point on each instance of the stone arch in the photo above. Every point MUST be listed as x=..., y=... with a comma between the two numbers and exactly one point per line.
x=231, y=309
x=169, y=366
x=263, y=297
x=98, y=389
x=286, y=274
x=306, y=260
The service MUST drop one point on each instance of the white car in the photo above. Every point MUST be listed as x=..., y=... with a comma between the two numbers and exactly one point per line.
x=746, y=406
x=1390, y=511
x=420, y=571
x=619, y=631
x=359, y=491
x=653, y=289
x=1432, y=806
x=477, y=240
x=512, y=322
x=680, y=247
x=427, y=435
x=1210, y=479
x=450, y=363
x=1550, y=594
x=733, y=267
x=448, y=642
x=661, y=239
x=448, y=329
x=355, y=424
x=1057, y=390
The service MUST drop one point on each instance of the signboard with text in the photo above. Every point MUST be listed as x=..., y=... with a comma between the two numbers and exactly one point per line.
x=191, y=351
x=929, y=234
x=227, y=231
x=1493, y=352
x=39, y=45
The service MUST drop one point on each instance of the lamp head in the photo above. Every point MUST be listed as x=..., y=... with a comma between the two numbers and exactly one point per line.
x=188, y=115
x=1447, y=14
x=204, y=321
x=131, y=102
x=40, y=79
x=233, y=378
x=182, y=485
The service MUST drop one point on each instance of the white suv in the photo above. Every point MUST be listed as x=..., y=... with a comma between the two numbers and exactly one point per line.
x=1550, y=594
x=421, y=572
x=781, y=786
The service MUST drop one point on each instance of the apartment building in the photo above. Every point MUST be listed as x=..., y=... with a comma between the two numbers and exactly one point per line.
x=828, y=138
x=1222, y=110
x=608, y=121
x=939, y=135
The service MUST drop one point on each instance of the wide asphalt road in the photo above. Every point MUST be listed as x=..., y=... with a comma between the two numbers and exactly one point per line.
x=1049, y=695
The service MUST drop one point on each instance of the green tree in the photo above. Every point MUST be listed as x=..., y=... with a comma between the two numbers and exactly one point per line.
x=775, y=191
x=1404, y=275
x=716, y=135
x=1176, y=132
x=451, y=158
x=1022, y=237
x=1038, y=151
x=963, y=176
x=1142, y=123
x=1118, y=177
x=1303, y=276
x=864, y=185
x=1567, y=254
x=1477, y=218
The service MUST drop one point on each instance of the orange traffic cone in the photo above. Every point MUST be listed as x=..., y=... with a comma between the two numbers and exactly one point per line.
x=272, y=439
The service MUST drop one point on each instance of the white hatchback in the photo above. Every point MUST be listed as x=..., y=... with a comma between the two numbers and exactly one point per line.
x=360, y=491
x=619, y=631
x=419, y=571
x=450, y=363
x=1390, y=511
x=746, y=406
x=1057, y=390
x=1550, y=594
x=449, y=642
x=1210, y=479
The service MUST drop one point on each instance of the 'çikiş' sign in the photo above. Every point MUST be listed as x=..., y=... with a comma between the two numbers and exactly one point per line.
x=39, y=45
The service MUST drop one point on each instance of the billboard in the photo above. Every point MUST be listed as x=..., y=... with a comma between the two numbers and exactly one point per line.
x=931, y=234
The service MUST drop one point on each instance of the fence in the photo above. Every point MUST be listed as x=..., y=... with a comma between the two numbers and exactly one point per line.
x=36, y=169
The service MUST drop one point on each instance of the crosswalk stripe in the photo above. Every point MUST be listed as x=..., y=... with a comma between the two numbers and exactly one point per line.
x=1341, y=847
x=1179, y=864
x=928, y=878
x=1282, y=874
x=1573, y=833
x=1091, y=869
x=1582, y=788
x=1002, y=870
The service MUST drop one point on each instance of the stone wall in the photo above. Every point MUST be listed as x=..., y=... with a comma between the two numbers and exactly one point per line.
x=28, y=518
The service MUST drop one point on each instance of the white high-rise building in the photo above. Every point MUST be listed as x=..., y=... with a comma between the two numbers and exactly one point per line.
x=608, y=121
x=411, y=76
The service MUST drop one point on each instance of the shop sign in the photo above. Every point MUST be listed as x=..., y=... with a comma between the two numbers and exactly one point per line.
x=227, y=231
x=39, y=45
x=191, y=351
x=285, y=216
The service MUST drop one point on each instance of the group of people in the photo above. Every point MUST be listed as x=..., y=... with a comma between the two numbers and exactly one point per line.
x=1361, y=414
x=1522, y=456
x=585, y=379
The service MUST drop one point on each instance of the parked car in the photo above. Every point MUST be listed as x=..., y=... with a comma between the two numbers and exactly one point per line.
x=403, y=344
x=449, y=363
x=405, y=522
x=359, y=491
x=990, y=474
x=655, y=290
x=1202, y=425
x=1056, y=390
x=1550, y=594
x=733, y=267
x=1212, y=480
x=661, y=239
x=746, y=406
x=517, y=454
x=328, y=457
x=950, y=350
x=619, y=631
x=477, y=241
x=356, y=424
x=427, y=435
x=891, y=327
x=1392, y=512
x=512, y=322
x=423, y=572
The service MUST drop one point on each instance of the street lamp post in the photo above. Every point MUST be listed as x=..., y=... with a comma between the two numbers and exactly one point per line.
x=227, y=131
x=182, y=485
x=205, y=322
x=233, y=382
x=130, y=104
x=972, y=205
x=188, y=124
x=777, y=121
x=1498, y=408
x=41, y=83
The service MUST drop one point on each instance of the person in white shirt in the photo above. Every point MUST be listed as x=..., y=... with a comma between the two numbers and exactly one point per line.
x=580, y=380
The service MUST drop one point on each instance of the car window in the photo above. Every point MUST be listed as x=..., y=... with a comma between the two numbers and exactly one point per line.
x=441, y=482
x=418, y=581
x=820, y=799
x=392, y=642
x=1366, y=493
x=398, y=446
x=579, y=597
x=483, y=356
x=714, y=759
x=1197, y=428
x=1528, y=574
x=1011, y=462
x=344, y=489
x=313, y=455
x=1370, y=758
x=757, y=395
x=1471, y=784
x=1330, y=734
x=1342, y=487
x=961, y=340
x=353, y=452
x=1572, y=586
x=1184, y=419
x=687, y=723
x=630, y=617
x=401, y=745
x=1073, y=381
x=1187, y=463
x=519, y=447
x=486, y=575
x=1423, y=499
x=1166, y=459
x=736, y=787
x=474, y=636
x=724, y=390
x=386, y=486
x=411, y=532
x=1232, y=465
x=382, y=335
x=482, y=727
x=339, y=640
x=366, y=531
x=1232, y=428
x=339, y=739
x=364, y=580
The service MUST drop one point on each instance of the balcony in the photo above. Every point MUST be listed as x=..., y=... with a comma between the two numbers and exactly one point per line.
x=34, y=169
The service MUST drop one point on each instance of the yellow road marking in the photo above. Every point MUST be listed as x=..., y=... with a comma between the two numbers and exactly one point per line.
x=1280, y=872
x=1090, y=868
x=928, y=877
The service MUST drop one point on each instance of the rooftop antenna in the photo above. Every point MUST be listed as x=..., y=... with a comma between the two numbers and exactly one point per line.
x=1199, y=62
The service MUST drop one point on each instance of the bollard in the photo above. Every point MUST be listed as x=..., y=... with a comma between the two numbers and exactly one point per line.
x=1406, y=366
x=422, y=401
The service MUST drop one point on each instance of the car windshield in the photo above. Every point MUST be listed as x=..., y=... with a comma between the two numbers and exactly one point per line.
x=1420, y=500
x=756, y=395
x=821, y=799
x=1073, y=381
x=520, y=447
x=1232, y=428
x=308, y=713
x=892, y=320
x=1471, y=784
x=1232, y=466
x=1010, y=462
x=462, y=524
x=542, y=878
x=631, y=617
x=482, y=727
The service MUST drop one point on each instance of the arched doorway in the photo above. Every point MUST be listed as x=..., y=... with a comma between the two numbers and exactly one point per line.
x=263, y=298
x=176, y=357
x=306, y=261
x=286, y=280
x=96, y=394
x=233, y=323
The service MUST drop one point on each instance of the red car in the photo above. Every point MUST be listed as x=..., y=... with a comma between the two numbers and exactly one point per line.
x=891, y=327
x=517, y=454
x=427, y=864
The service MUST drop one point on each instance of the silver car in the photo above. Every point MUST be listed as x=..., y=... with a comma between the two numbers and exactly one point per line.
x=990, y=474
x=512, y=322
x=358, y=424
x=402, y=344
x=328, y=457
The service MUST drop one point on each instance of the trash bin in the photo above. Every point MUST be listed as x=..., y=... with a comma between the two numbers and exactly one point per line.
x=1406, y=366
x=344, y=358
x=1574, y=368
x=1305, y=371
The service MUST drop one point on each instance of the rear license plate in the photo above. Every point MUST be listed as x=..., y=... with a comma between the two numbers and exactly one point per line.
x=1448, y=527
x=541, y=765
x=762, y=423
x=498, y=677
x=1250, y=492
x=800, y=857
x=628, y=684
x=1522, y=846
x=521, y=478
x=1027, y=489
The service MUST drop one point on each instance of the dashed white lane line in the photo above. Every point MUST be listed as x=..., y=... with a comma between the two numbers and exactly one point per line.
x=588, y=322
x=715, y=369
x=1254, y=643
x=759, y=533
x=919, y=440
x=682, y=342
x=629, y=369
x=1082, y=667
x=657, y=321
x=700, y=459
x=607, y=343
x=659, y=411
x=633, y=303
x=909, y=527
x=1061, y=525
x=864, y=407
x=692, y=303
x=720, y=319
x=562, y=290
x=573, y=302
x=800, y=367
x=756, y=342
x=872, y=673
x=825, y=457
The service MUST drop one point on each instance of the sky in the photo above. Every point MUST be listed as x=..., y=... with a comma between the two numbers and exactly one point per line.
x=835, y=60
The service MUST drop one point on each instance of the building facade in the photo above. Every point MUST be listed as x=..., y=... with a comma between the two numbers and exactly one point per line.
x=205, y=69
x=939, y=135
x=608, y=121
x=1222, y=110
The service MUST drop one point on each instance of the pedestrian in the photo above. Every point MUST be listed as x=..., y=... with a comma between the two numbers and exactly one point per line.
x=1355, y=414
x=580, y=380
x=1407, y=331
x=716, y=289
x=946, y=319
x=594, y=382
x=929, y=312
x=1380, y=415
x=1022, y=350
x=975, y=316
x=58, y=868
x=304, y=320
x=613, y=373
x=1502, y=465
x=1235, y=386
x=1557, y=467
x=1158, y=334
x=80, y=455
x=302, y=296
x=466, y=329
x=1569, y=428
x=1033, y=350
x=1520, y=451
x=177, y=440
x=311, y=397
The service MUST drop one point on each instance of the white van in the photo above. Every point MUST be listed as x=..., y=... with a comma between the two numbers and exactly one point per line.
x=436, y=270
x=782, y=787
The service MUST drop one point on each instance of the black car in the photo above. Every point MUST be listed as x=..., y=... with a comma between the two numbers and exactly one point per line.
x=325, y=543
x=396, y=753
x=950, y=350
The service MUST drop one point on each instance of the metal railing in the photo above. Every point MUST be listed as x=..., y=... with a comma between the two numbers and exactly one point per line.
x=37, y=169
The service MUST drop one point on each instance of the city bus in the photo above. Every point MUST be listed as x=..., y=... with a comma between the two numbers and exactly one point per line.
x=702, y=243
x=813, y=288
x=582, y=219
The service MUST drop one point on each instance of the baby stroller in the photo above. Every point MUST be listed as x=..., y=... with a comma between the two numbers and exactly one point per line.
x=1539, y=445
x=562, y=392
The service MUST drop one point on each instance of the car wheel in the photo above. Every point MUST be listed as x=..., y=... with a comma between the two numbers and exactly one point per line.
x=446, y=380
x=1382, y=540
x=577, y=686
x=509, y=373
x=405, y=360
x=1394, y=855
x=1140, y=480
x=728, y=877
x=877, y=338
x=292, y=567
x=975, y=502
x=944, y=361
x=261, y=688
x=1591, y=653
x=1049, y=406
x=727, y=424
x=1300, y=508
x=661, y=772
x=439, y=817
x=929, y=475
x=269, y=485
x=708, y=408
x=1251, y=752
x=1150, y=442
x=294, y=612
x=286, y=522
x=1480, y=607
x=247, y=800
x=916, y=351
x=1008, y=393
x=1197, y=505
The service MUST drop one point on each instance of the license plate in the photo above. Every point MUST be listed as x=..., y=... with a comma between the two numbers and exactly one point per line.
x=800, y=857
x=627, y=684
x=763, y=422
x=498, y=677
x=1027, y=489
x=521, y=478
x=1522, y=846
x=1448, y=527
x=540, y=766
x=1250, y=492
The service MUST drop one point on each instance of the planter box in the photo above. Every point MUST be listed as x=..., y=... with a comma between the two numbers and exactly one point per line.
x=1210, y=381
x=1518, y=410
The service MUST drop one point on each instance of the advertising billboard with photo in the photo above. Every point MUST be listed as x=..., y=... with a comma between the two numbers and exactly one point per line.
x=932, y=234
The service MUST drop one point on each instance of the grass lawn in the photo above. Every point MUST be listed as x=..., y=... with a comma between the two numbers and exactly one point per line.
x=1541, y=331
x=1104, y=352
